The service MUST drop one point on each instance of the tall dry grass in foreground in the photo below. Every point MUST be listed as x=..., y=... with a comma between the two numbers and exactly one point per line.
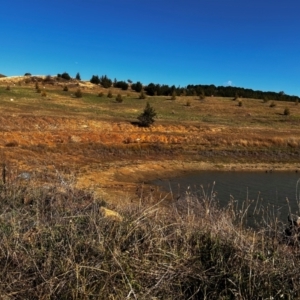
x=56, y=244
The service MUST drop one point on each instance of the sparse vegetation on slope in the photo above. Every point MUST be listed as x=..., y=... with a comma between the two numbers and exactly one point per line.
x=92, y=134
x=55, y=237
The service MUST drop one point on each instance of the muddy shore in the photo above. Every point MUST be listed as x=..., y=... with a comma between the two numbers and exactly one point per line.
x=123, y=182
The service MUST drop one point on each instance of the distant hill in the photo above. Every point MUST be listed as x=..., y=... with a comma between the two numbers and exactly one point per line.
x=152, y=89
x=50, y=80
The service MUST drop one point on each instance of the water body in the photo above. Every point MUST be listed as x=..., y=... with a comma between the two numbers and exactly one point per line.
x=279, y=191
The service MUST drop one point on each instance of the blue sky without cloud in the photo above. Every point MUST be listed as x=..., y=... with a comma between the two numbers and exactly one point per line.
x=252, y=44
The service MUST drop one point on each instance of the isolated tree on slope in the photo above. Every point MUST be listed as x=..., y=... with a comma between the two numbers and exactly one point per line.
x=147, y=117
x=78, y=76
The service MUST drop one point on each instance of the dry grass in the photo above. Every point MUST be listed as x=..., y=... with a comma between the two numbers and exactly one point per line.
x=93, y=134
x=58, y=244
x=212, y=111
x=79, y=133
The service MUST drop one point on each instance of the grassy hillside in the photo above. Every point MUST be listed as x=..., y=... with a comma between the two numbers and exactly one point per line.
x=211, y=110
x=46, y=127
x=68, y=161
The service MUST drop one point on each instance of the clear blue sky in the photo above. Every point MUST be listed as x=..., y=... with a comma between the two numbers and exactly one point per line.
x=251, y=44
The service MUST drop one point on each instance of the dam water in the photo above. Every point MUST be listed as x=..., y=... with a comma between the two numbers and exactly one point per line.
x=276, y=191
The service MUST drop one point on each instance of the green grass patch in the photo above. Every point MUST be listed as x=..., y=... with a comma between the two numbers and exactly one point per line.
x=212, y=110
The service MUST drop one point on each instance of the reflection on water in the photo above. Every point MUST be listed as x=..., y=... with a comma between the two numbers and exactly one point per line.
x=270, y=189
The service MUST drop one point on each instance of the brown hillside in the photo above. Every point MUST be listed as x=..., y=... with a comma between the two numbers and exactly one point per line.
x=58, y=134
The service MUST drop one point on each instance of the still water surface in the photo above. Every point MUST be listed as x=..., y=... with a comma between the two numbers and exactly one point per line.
x=272, y=189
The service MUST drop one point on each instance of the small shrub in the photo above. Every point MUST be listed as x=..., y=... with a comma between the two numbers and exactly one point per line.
x=37, y=86
x=44, y=94
x=48, y=79
x=297, y=102
x=38, y=90
x=147, y=117
x=286, y=111
x=78, y=93
x=8, y=88
x=265, y=99
x=119, y=98
x=202, y=96
x=273, y=104
x=188, y=103
x=173, y=97
x=65, y=88
x=240, y=103
x=12, y=144
x=109, y=94
x=100, y=94
x=142, y=95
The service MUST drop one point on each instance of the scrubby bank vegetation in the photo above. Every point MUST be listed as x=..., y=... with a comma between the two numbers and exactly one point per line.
x=57, y=244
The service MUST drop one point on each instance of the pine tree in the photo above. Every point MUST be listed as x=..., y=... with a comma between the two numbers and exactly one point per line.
x=78, y=93
x=78, y=76
x=119, y=98
x=105, y=82
x=147, y=117
x=137, y=87
x=95, y=79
